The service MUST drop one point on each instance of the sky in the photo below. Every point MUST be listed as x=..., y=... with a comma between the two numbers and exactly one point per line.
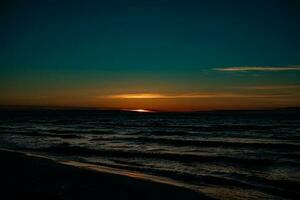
x=165, y=55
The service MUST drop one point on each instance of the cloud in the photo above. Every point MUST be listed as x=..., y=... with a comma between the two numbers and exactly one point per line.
x=273, y=87
x=137, y=96
x=255, y=68
x=189, y=96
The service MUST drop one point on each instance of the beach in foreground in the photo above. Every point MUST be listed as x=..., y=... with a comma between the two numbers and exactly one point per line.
x=29, y=177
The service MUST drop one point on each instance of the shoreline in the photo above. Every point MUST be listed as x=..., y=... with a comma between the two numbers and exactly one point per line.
x=28, y=176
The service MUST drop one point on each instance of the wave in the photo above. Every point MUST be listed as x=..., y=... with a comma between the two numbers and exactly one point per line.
x=39, y=134
x=284, y=188
x=165, y=133
x=96, y=132
x=223, y=144
x=60, y=133
x=209, y=128
x=240, y=143
x=66, y=149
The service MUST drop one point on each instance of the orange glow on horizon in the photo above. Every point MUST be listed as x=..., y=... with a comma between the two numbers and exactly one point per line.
x=197, y=95
x=137, y=96
x=251, y=97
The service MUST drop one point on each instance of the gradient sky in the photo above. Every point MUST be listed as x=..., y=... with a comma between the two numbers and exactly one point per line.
x=157, y=54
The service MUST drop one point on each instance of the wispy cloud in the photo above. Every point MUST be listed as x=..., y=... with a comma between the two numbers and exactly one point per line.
x=137, y=96
x=191, y=95
x=273, y=87
x=258, y=68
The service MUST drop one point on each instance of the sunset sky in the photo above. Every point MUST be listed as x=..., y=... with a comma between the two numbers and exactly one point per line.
x=163, y=55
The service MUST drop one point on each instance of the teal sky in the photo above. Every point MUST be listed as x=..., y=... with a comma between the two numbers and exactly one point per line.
x=82, y=50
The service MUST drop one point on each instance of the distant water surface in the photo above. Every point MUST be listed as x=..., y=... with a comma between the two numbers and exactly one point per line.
x=226, y=155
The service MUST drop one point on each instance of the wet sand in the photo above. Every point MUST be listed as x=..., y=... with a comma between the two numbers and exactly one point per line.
x=29, y=177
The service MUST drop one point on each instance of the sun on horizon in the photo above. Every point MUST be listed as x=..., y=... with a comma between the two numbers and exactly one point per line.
x=140, y=110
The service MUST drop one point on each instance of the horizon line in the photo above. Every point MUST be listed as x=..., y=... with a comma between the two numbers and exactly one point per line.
x=93, y=108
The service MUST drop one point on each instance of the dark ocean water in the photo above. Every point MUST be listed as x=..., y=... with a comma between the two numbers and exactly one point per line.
x=226, y=155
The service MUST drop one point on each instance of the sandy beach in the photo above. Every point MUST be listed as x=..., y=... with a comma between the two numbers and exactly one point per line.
x=30, y=177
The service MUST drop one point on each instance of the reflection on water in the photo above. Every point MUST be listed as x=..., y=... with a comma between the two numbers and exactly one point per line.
x=225, y=155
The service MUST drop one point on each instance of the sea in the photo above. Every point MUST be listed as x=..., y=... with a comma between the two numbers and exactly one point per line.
x=223, y=154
